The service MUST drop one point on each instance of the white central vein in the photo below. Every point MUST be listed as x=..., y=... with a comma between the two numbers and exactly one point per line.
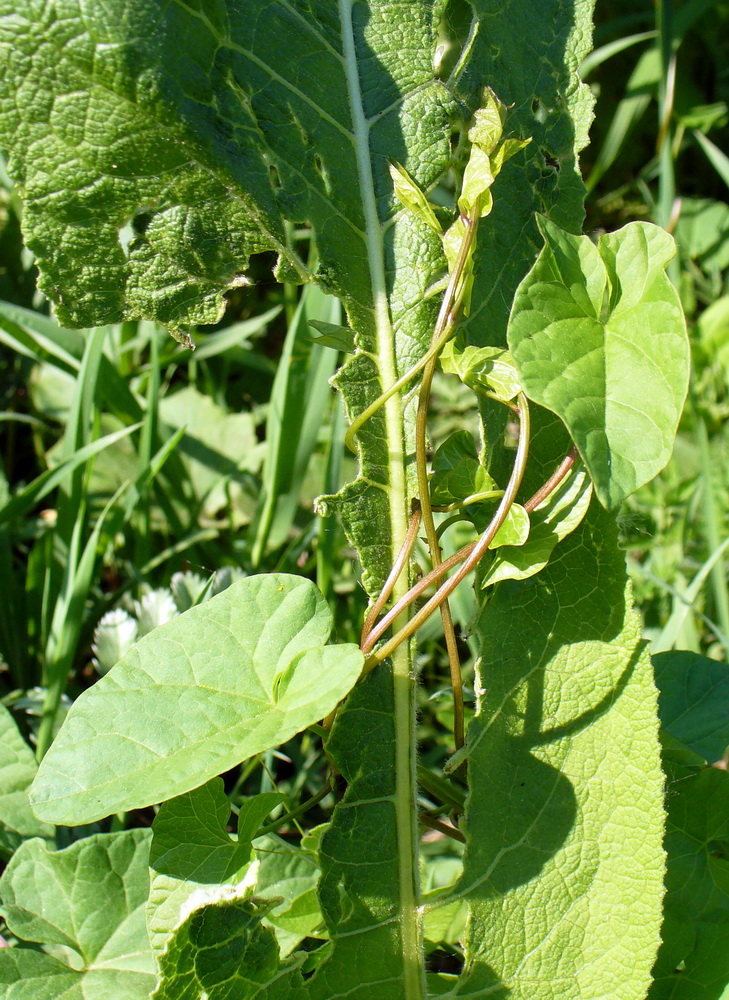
x=413, y=986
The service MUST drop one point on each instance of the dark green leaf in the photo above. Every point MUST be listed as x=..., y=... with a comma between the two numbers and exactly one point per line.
x=693, y=960
x=693, y=701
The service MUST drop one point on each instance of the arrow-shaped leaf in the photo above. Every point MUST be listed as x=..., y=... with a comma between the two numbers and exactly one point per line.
x=230, y=678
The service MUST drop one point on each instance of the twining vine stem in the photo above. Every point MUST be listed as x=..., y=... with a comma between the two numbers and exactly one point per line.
x=444, y=328
x=464, y=553
x=477, y=551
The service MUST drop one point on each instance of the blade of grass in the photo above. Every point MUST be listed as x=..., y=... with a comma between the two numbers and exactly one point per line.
x=601, y=55
x=147, y=440
x=684, y=605
x=13, y=610
x=664, y=144
x=41, y=339
x=24, y=500
x=718, y=159
x=638, y=92
x=298, y=402
x=236, y=335
x=327, y=529
x=67, y=620
x=714, y=530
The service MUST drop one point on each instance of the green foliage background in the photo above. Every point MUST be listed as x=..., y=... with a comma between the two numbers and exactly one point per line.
x=219, y=456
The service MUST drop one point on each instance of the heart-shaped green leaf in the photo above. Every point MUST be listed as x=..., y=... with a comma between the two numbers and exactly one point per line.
x=17, y=770
x=599, y=338
x=230, y=678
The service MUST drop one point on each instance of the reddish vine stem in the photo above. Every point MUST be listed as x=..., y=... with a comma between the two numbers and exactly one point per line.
x=464, y=553
x=445, y=324
x=399, y=565
x=553, y=482
x=476, y=553
x=435, y=824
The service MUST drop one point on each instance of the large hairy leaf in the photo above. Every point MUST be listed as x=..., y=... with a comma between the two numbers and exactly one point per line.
x=692, y=962
x=599, y=338
x=365, y=891
x=563, y=878
x=157, y=145
x=85, y=905
x=234, y=676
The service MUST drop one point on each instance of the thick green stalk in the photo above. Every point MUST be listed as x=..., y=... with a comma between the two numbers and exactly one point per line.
x=403, y=679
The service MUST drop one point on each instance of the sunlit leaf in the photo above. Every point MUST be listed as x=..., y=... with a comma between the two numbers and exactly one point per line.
x=232, y=677
x=598, y=336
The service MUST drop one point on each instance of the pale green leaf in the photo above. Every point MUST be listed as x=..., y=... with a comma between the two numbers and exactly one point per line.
x=599, y=338
x=230, y=678
x=289, y=873
x=515, y=529
x=28, y=975
x=17, y=770
x=487, y=156
x=487, y=127
x=412, y=198
x=702, y=232
x=477, y=179
x=86, y=906
x=218, y=449
x=488, y=368
x=553, y=520
x=193, y=856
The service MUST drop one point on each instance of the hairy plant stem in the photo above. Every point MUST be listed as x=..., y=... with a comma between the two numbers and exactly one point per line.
x=403, y=679
x=479, y=548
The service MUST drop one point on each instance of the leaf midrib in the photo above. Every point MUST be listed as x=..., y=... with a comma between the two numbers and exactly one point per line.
x=413, y=985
